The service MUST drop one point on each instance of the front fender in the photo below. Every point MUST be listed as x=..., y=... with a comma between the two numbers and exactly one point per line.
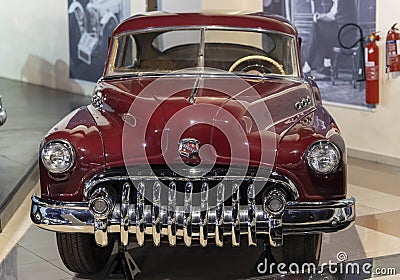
x=318, y=125
x=315, y=89
x=81, y=131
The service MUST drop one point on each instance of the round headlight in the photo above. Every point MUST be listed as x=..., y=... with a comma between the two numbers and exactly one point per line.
x=58, y=156
x=323, y=157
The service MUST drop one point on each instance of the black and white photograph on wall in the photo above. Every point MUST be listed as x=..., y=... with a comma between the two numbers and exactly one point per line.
x=91, y=23
x=332, y=49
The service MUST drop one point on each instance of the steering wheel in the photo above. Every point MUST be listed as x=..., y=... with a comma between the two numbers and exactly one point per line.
x=255, y=66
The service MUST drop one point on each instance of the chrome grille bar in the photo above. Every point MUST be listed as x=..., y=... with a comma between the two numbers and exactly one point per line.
x=172, y=214
x=204, y=214
x=140, y=222
x=219, y=213
x=156, y=220
x=251, y=226
x=187, y=220
x=235, y=215
x=126, y=190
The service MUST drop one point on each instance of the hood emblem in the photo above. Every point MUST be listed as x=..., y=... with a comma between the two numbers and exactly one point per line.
x=189, y=147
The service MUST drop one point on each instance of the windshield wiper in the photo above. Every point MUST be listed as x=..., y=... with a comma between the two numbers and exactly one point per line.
x=192, y=97
x=200, y=64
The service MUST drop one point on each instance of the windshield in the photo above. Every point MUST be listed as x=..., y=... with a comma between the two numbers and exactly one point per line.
x=232, y=50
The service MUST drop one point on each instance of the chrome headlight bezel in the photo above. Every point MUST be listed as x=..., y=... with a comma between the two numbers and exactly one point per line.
x=323, y=145
x=68, y=151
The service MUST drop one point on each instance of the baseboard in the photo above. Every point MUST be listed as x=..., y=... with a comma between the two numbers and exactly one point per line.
x=384, y=159
x=21, y=190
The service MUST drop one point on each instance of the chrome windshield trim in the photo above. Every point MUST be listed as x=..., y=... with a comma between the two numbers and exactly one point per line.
x=111, y=63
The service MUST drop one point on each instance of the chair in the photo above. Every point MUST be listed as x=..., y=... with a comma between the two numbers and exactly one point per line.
x=342, y=64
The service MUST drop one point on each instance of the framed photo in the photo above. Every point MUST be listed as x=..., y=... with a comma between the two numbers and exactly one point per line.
x=91, y=23
x=338, y=70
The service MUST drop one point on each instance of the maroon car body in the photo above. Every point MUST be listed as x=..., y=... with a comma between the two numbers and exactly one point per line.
x=116, y=133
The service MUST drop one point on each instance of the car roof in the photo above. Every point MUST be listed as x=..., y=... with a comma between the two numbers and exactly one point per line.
x=163, y=19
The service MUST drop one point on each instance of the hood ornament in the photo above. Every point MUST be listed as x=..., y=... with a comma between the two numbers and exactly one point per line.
x=189, y=147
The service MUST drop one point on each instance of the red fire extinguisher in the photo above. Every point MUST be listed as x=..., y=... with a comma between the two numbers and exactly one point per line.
x=372, y=70
x=393, y=50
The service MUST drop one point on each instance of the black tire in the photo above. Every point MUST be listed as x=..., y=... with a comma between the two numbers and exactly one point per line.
x=299, y=249
x=80, y=253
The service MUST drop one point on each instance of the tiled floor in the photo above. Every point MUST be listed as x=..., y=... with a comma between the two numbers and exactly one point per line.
x=32, y=111
x=30, y=253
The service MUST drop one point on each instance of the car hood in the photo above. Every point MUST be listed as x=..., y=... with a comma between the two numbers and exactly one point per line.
x=236, y=121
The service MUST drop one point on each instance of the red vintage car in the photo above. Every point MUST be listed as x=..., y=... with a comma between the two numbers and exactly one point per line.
x=202, y=130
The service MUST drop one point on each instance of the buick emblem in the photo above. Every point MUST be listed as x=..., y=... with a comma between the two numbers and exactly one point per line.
x=189, y=147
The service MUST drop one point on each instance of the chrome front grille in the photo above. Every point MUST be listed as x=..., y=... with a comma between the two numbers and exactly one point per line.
x=224, y=206
x=192, y=211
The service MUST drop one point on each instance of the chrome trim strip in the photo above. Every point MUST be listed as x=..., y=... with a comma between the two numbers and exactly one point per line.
x=219, y=216
x=204, y=214
x=156, y=208
x=126, y=191
x=140, y=222
x=235, y=215
x=77, y=206
x=172, y=214
x=187, y=215
x=251, y=210
x=319, y=204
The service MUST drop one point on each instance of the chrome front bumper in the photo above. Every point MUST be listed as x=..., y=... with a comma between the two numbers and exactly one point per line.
x=214, y=224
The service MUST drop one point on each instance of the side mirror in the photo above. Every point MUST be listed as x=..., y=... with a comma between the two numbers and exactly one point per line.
x=3, y=113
